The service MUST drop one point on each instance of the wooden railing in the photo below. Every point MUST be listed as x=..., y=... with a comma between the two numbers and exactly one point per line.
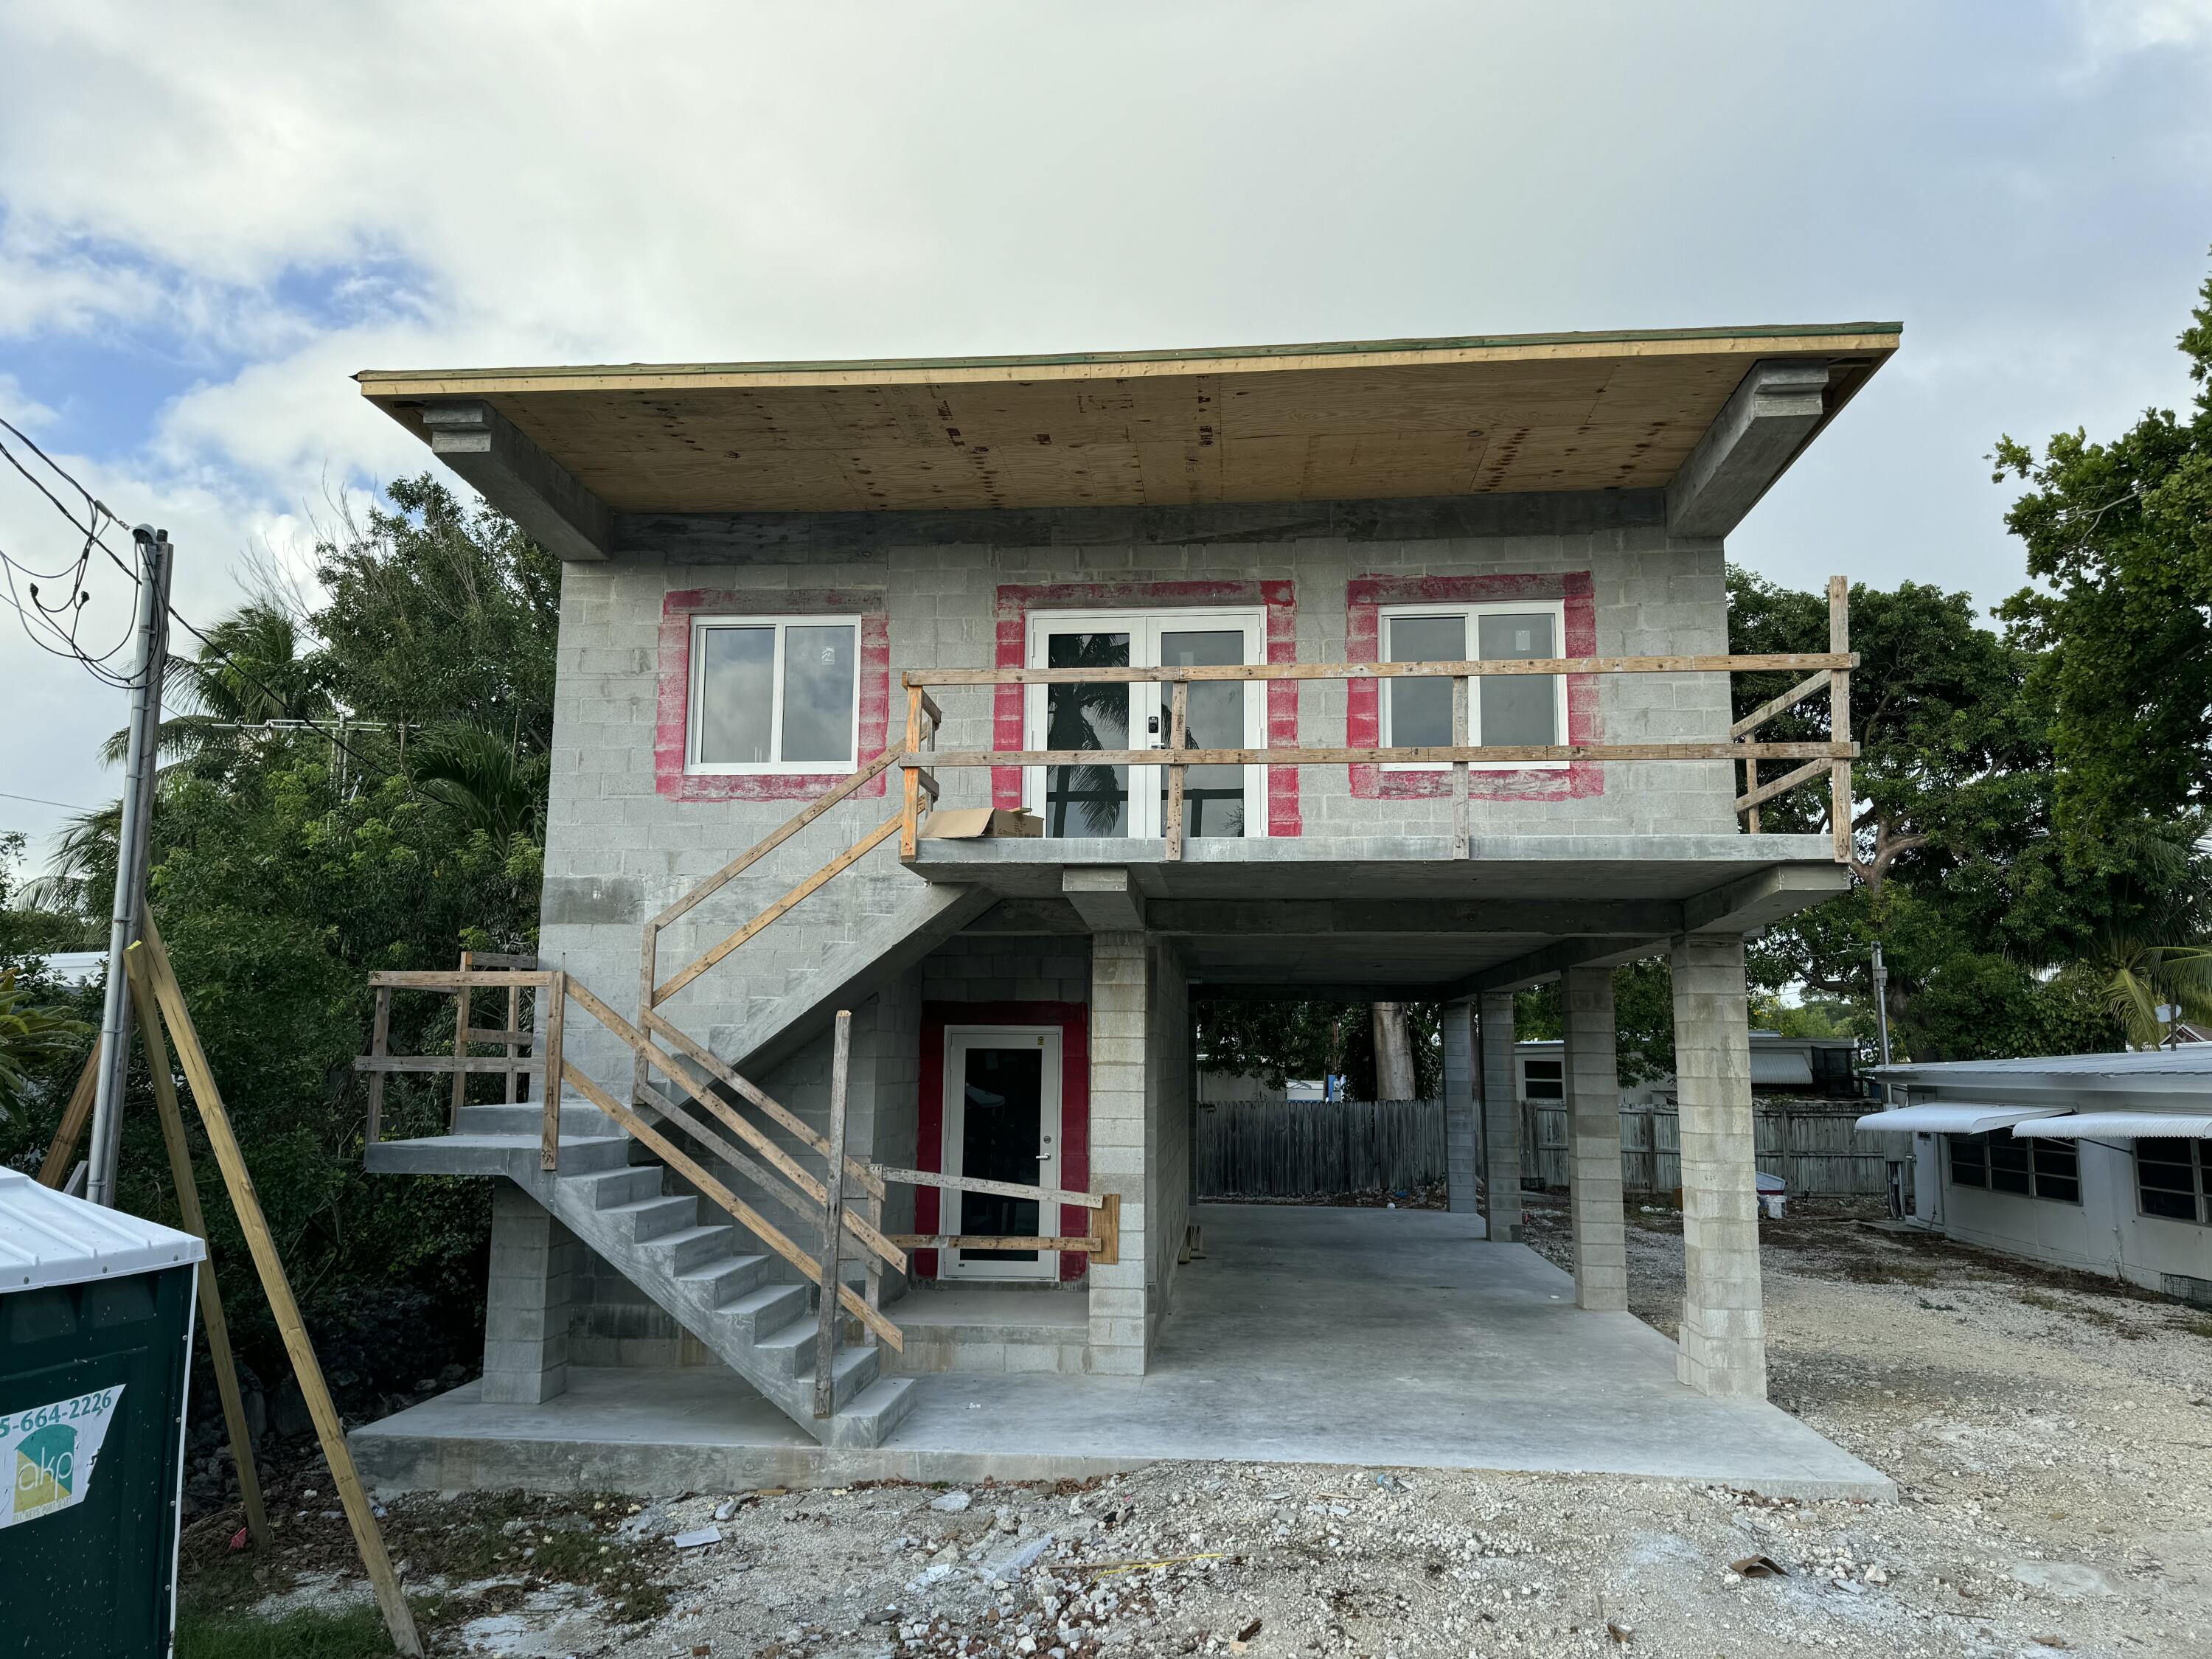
x=844, y=1206
x=1829, y=671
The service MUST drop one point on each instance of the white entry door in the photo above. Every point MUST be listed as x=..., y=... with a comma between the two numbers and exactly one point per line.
x=1121, y=801
x=1001, y=1123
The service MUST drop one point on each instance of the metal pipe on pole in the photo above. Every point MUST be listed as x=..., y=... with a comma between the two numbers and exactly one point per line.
x=142, y=757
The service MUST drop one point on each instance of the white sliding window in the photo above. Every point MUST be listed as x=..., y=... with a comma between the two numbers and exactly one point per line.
x=775, y=694
x=1528, y=709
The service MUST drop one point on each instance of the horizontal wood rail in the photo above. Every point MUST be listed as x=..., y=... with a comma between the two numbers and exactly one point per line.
x=1774, y=662
x=1103, y=1243
x=977, y=1184
x=1829, y=671
x=1410, y=756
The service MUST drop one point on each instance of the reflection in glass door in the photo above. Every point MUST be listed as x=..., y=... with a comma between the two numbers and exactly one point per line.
x=1081, y=800
x=1001, y=1123
x=1086, y=800
x=1213, y=796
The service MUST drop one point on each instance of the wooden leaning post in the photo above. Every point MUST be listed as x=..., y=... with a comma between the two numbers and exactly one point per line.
x=159, y=1002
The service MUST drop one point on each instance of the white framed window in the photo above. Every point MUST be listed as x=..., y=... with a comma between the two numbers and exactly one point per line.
x=775, y=694
x=1523, y=709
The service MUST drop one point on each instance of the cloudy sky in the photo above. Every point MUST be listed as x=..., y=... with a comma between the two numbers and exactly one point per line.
x=212, y=215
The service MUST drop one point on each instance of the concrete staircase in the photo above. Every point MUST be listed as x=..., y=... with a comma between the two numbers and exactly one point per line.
x=698, y=1270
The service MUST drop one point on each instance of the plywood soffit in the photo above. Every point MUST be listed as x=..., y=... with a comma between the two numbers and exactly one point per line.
x=1387, y=420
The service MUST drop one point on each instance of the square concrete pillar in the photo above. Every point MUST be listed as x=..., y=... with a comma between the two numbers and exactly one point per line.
x=1593, y=1078
x=1723, y=1337
x=1501, y=1121
x=534, y=1260
x=1120, y=996
x=1462, y=1119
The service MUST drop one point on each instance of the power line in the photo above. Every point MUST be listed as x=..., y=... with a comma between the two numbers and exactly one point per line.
x=69, y=806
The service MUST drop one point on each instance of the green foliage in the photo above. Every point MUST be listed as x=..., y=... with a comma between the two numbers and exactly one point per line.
x=285, y=868
x=32, y=1035
x=2120, y=536
x=1643, y=1019
x=1276, y=1041
x=27, y=927
x=357, y=1634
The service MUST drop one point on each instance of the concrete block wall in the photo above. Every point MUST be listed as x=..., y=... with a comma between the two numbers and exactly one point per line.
x=1169, y=1118
x=532, y=1286
x=1724, y=1328
x=618, y=849
x=1009, y=968
x=1593, y=1091
x=1501, y=1118
x=1462, y=1111
x=1121, y=1117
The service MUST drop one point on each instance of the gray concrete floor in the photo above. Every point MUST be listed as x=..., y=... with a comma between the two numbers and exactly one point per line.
x=1396, y=1338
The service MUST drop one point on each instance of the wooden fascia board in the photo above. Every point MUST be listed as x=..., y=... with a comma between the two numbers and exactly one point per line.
x=1875, y=339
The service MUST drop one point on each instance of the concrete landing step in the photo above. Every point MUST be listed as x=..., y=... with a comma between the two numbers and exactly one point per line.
x=514, y=1156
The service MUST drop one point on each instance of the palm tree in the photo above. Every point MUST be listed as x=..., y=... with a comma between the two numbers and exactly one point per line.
x=2149, y=988
x=250, y=670
x=30, y=1032
x=483, y=778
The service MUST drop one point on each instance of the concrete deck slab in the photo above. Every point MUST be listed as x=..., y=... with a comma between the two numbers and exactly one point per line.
x=1379, y=1337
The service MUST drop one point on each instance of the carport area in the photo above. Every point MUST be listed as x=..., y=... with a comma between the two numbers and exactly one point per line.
x=1331, y=1336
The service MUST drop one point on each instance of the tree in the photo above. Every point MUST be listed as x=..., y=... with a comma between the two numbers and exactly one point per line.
x=286, y=864
x=2120, y=536
x=32, y=1035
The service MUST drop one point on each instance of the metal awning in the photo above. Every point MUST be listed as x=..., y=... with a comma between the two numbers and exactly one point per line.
x=2121, y=1126
x=1958, y=1118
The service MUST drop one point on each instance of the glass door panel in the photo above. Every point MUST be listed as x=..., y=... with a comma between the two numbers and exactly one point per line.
x=1086, y=800
x=1213, y=796
x=1002, y=1113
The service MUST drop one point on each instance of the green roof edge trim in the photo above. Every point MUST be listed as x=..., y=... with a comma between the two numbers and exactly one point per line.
x=1328, y=348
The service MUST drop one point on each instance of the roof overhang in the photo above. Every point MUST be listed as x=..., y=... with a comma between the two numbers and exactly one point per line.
x=1710, y=417
x=2119, y=1125
x=1960, y=1120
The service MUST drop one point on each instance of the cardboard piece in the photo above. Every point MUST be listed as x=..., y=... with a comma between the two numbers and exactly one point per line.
x=971, y=822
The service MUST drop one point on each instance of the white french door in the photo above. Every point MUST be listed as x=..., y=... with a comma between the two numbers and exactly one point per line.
x=1079, y=801
x=1001, y=1123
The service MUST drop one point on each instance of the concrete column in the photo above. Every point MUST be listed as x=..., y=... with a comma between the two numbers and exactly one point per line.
x=1463, y=1124
x=1594, y=1141
x=1723, y=1336
x=1501, y=1121
x=1120, y=1295
x=533, y=1269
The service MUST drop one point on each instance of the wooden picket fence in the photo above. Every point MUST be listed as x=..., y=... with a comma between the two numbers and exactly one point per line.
x=1269, y=1149
x=1266, y=1149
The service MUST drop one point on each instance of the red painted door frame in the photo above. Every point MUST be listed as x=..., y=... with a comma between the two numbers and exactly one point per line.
x=1072, y=1020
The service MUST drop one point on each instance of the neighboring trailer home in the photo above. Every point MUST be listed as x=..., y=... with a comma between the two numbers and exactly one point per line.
x=2099, y=1162
x=1439, y=631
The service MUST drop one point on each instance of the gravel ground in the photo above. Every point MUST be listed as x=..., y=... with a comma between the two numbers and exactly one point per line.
x=2052, y=1438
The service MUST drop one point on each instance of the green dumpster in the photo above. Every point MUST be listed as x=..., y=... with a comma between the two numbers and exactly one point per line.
x=96, y=1351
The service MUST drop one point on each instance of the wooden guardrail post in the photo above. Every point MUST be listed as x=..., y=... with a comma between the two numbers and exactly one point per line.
x=1462, y=692
x=833, y=1224
x=556, y=991
x=379, y=1046
x=910, y=780
x=1178, y=740
x=648, y=970
x=460, y=1049
x=1839, y=715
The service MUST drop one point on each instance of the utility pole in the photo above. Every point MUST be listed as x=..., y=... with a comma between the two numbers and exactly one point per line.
x=131, y=857
x=1882, y=1007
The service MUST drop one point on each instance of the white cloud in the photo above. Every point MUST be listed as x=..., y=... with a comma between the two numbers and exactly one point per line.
x=277, y=196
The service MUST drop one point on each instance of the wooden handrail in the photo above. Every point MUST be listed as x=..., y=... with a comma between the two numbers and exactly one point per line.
x=738, y=1211
x=1441, y=755
x=1770, y=662
x=851, y=855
